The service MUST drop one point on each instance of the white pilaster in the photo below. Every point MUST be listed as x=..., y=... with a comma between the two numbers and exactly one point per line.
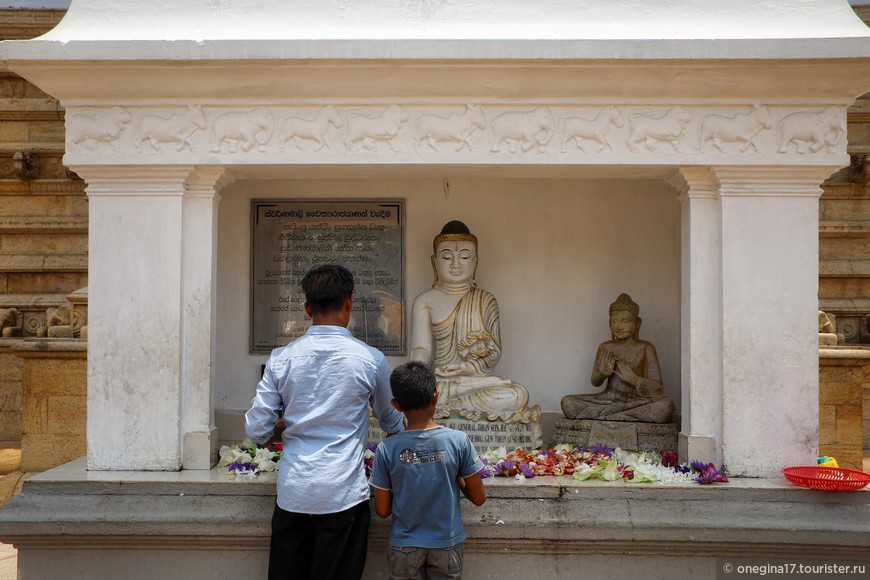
x=700, y=316
x=135, y=316
x=770, y=376
x=199, y=285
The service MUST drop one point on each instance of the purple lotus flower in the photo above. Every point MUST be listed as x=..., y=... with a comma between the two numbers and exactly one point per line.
x=707, y=473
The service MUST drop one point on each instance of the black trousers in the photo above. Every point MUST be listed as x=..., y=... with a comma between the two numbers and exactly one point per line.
x=319, y=546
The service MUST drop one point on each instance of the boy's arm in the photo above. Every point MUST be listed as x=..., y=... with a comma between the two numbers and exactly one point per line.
x=472, y=488
x=383, y=502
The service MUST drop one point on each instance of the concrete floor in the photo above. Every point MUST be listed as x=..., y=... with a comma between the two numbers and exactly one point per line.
x=10, y=479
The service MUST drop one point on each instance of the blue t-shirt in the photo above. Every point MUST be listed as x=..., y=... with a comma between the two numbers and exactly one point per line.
x=421, y=468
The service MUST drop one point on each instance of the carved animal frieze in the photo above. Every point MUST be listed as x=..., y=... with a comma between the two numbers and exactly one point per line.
x=369, y=130
x=650, y=131
x=88, y=130
x=741, y=128
x=156, y=130
x=244, y=129
x=505, y=129
x=314, y=129
x=813, y=130
x=578, y=129
x=523, y=129
x=458, y=128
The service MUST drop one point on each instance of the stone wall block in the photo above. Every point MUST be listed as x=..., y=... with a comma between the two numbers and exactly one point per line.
x=65, y=414
x=867, y=416
x=827, y=424
x=850, y=423
x=56, y=376
x=10, y=396
x=47, y=451
x=11, y=367
x=34, y=413
x=10, y=425
x=840, y=393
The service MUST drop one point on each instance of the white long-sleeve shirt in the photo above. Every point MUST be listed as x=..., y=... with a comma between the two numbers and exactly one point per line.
x=325, y=381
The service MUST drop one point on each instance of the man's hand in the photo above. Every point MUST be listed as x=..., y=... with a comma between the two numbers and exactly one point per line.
x=276, y=432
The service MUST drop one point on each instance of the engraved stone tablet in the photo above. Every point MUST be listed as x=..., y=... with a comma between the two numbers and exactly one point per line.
x=291, y=237
x=484, y=434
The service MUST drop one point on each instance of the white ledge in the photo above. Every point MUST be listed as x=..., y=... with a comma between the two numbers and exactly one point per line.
x=500, y=49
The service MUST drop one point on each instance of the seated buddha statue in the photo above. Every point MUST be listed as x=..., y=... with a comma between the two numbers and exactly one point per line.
x=630, y=368
x=455, y=329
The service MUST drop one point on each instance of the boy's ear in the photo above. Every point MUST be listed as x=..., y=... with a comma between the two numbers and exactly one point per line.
x=308, y=310
x=397, y=406
x=435, y=398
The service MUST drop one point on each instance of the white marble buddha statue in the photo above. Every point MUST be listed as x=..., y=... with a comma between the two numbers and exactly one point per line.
x=630, y=368
x=455, y=329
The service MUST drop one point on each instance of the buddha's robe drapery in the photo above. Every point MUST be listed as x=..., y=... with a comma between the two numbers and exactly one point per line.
x=471, y=334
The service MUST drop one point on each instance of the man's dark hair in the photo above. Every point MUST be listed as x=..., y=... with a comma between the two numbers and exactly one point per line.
x=413, y=385
x=326, y=287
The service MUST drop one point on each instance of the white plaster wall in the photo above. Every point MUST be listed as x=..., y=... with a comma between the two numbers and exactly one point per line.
x=555, y=253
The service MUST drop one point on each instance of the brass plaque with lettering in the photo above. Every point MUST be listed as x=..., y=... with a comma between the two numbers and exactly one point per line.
x=291, y=237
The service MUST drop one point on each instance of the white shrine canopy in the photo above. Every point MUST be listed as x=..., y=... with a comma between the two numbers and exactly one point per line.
x=739, y=104
x=449, y=19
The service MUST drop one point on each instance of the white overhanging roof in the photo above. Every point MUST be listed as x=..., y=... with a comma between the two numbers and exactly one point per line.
x=396, y=29
x=205, y=51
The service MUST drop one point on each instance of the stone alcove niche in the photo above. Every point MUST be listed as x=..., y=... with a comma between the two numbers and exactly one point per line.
x=173, y=107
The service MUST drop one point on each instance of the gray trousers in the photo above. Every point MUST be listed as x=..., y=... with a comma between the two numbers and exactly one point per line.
x=425, y=563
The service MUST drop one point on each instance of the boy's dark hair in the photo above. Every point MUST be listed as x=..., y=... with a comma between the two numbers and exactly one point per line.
x=326, y=287
x=413, y=385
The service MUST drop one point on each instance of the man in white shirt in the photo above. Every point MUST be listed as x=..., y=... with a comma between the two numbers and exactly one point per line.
x=324, y=381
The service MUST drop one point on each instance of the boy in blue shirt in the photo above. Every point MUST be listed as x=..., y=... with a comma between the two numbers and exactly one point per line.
x=417, y=475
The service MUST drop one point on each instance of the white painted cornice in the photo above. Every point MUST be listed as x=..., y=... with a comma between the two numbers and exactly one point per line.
x=466, y=20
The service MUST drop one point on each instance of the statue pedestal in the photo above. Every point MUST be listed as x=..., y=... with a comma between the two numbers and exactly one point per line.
x=628, y=435
x=484, y=434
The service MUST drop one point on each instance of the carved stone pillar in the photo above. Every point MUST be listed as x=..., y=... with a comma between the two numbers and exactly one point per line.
x=151, y=281
x=700, y=315
x=199, y=266
x=769, y=316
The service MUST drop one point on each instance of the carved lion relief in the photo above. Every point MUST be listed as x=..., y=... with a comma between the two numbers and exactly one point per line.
x=88, y=130
x=369, y=130
x=650, y=131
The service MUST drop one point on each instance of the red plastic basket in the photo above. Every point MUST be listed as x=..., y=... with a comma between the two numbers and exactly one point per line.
x=827, y=478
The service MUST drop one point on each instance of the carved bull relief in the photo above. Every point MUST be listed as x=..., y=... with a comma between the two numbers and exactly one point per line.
x=742, y=128
x=156, y=130
x=242, y=130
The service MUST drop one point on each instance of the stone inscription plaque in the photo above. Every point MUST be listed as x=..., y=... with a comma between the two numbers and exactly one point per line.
x=483, y=434
x=291, y=237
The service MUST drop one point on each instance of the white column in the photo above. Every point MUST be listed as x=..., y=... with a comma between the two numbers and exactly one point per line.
x=700, y=316
x=769, y=302
x=198, y=282
x=151, y=282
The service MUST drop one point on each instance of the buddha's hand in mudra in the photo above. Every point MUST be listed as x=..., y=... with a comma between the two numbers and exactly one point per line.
x=456, y=370
x=623, y=371
x=607, y=366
